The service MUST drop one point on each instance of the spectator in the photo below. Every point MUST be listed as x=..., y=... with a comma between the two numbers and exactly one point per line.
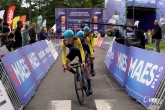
x=50, y=34
x=5, y=40
x=25, y=35
x=18, y=35
x=32, y=33
x=42, y=33
x=1, y=25
x=157, y=35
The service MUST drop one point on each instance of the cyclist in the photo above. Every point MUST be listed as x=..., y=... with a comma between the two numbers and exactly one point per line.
x=85, y=41
x=75, y=49
x=91, y=37
x=89, y=34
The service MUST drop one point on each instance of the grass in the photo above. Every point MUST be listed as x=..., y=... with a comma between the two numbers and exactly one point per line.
x=162, y=45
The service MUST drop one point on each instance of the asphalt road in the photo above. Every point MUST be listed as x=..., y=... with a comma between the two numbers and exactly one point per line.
x=56, y=91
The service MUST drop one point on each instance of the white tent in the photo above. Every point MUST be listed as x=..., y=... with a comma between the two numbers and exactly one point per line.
x=54, y=27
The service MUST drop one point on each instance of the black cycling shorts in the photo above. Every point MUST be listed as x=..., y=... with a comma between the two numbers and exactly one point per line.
x=73, y=53
x=86, y=48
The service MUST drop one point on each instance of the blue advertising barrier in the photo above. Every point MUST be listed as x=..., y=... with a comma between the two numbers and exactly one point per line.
x=145, y=71
x=136, y=68
x=20, y=75
x=33, y=62
x=48, y=53
x=42, y=55
x=57, y=45
x=116, y=61
x=28, y=65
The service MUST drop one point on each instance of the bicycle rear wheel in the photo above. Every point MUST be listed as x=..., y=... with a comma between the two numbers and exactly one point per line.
x=79, y=88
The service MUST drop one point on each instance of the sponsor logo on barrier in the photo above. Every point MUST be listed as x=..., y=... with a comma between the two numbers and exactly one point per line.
x=99, y=42
x=47, y=50
x=111, y=54
x=144, y=72
x=121, y=61
x=19, y=71
x=41, y=54
x=33, y=61
x=147, y=99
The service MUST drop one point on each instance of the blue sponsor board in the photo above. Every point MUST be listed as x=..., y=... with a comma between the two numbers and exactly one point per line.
x=41, y=55
x=145, y=72
x=49, y=55
x=20, y=75
x=118, y=62
x=33, y=62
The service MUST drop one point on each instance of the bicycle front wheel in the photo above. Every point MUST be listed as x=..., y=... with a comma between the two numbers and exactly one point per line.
x=79, y=88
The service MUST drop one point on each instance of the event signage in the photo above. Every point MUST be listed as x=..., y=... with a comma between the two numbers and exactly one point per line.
x=133, y=69
x=20, y=75
x=52, y=49
x=116, y=59
x=41, y=55
x=61, y=21
x=145, y=73
x=33, y=62
x=47, y=50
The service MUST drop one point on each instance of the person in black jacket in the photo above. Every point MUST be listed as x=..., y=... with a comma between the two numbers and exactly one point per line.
x=32, y=33
x=18, y=35
x=5, y=40
x=157, y=35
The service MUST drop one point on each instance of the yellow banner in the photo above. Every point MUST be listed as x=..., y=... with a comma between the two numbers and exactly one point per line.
x=14, y=26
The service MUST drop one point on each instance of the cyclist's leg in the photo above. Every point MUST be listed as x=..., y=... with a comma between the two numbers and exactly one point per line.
x=70, y=57
x=91, y=62
x=86, y=70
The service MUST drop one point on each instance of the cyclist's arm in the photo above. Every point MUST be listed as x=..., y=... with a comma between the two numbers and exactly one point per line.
x=63, y=53
x=78, y=44
x=91, y=37
x=87, y=41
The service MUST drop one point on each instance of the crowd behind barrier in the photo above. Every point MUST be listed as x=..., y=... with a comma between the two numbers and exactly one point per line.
x=23, y=69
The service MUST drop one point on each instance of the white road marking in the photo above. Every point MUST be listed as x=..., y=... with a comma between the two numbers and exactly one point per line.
x=60, y=105
x=102, y=105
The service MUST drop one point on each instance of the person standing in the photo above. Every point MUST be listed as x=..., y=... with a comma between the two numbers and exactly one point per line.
x=157, y=35
x=32, y=33
x=25, y=35
x=5, y=40
x=1, y=25
x=18, y=35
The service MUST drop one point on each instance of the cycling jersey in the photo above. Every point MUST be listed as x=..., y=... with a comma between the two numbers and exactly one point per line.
x=76, y=49
x=87, y=45
x=91, y=37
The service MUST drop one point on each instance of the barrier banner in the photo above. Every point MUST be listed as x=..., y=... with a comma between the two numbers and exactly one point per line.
x=49, y=55
x=116, y=58
x=104, y=43
x=41, y=55
x=5, y=103
x=53, y=50
x=33, y=62
x=57, y=45
x=145, y=72
x=110, y=58
x=20, y=75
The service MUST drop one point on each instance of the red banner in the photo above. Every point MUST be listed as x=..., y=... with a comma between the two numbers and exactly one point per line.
x=10, y=14
x=23, y=18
